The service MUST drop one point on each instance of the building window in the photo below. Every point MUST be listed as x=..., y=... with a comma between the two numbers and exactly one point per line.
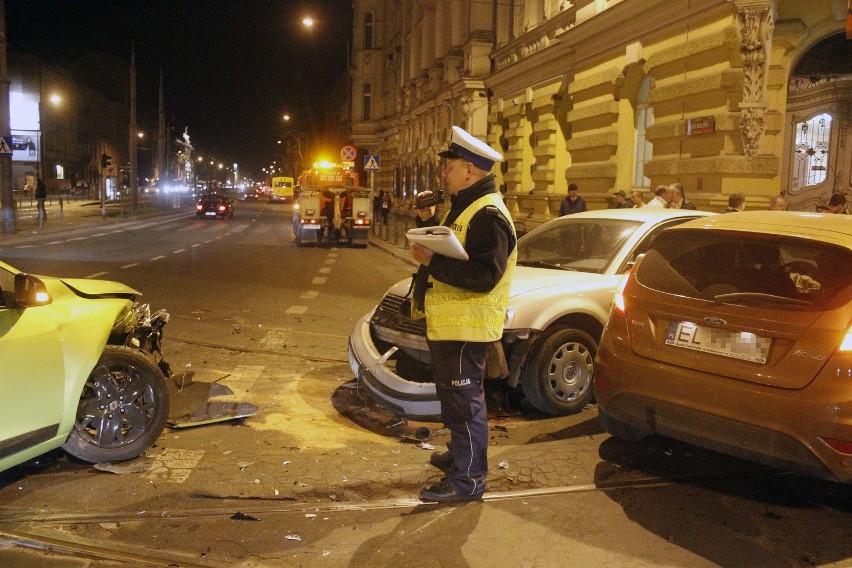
x=644, y=119
x=368, y=30
x=810, y=154
x=643, y=148
x=367, y=102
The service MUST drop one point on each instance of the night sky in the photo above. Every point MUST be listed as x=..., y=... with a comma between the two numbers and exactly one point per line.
x=231, y=68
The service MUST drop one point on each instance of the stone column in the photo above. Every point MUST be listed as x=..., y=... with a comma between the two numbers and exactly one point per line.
x=755, y=23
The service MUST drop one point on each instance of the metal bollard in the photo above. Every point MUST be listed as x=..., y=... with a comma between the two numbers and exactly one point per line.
x=61, y=210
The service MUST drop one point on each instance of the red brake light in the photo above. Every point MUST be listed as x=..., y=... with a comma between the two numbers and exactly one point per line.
x=842, y=446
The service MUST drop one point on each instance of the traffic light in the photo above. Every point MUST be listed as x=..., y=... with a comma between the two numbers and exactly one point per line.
x=106, y=161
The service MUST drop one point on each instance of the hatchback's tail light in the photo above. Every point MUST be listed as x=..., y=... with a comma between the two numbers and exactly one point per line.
x=618, y=298
x=846, y=344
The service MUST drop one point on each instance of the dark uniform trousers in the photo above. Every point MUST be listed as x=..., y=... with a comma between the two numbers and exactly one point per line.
x=458, y=369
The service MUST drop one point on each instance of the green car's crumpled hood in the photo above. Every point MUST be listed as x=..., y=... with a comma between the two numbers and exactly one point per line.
x=88, y=288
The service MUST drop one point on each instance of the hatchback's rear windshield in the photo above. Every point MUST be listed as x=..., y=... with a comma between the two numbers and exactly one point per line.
x=739, y=267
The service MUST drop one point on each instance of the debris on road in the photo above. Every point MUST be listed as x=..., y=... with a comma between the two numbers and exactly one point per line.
x=243, y=517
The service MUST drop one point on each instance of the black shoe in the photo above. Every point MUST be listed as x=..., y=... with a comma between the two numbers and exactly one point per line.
x=442, y=460
x=443, y=492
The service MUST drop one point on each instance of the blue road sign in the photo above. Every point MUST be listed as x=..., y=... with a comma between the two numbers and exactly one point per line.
x=371, y=163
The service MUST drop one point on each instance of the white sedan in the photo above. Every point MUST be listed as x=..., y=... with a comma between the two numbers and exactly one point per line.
x=567, y=272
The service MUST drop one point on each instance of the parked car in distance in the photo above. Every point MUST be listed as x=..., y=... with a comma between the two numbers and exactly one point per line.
x=734, y=333
x=215, y=205
x=252, y=194
x=567, y=271
x=80, y=368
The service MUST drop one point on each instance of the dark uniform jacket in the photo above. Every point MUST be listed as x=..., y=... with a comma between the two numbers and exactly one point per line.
x=488, y=243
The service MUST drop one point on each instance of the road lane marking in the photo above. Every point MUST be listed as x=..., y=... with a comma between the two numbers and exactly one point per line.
x=55, y=243
x=318, y=280
x=196, y=245
x=296, y=310
x=99, y=234
x=325, y=270
x=330, y=260
x=25, y=246
x=310, y=295
x=174, y=465
x=96, y=275
x=178, y=251
x=131, y=265
x=158, y=257
x=275, y=338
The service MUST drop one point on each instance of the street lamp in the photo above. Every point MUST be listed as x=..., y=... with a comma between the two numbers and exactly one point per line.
x=55, y=99
x=288, y=153
x=309, y=22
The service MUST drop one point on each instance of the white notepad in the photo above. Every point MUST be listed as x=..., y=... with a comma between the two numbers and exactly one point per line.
x=440, y=240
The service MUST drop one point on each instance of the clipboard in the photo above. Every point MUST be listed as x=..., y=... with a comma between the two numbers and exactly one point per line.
x=440, y=240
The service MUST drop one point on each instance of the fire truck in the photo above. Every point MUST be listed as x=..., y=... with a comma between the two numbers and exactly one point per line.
x=332, y=207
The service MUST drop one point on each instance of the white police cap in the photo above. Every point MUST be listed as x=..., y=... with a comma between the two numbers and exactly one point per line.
x=465, y=146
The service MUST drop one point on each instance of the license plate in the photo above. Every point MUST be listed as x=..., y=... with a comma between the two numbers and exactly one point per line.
x=211, y=213
x=735, y=344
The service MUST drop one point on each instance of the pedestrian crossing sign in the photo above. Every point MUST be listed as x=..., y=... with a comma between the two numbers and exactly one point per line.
x=371, y=163
x=5, y=148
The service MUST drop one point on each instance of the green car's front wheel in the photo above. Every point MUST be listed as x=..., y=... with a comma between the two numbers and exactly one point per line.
x=123, y=408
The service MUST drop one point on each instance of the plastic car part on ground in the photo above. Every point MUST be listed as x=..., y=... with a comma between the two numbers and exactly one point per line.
x=192, y=403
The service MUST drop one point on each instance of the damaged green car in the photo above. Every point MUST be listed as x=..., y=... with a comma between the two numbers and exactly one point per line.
x=80, y=368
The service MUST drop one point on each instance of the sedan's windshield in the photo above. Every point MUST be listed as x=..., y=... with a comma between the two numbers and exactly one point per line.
x=585, y=245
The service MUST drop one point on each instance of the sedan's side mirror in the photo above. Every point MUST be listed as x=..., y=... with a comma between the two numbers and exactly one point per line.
x=30, y=291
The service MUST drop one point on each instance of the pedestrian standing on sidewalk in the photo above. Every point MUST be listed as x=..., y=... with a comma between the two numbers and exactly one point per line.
x=41, y=195
x=465, y=304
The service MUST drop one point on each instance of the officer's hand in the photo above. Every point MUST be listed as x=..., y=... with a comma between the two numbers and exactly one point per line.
x=421, y=254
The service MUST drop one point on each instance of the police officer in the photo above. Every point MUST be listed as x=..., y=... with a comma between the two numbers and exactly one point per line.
x=465, y=304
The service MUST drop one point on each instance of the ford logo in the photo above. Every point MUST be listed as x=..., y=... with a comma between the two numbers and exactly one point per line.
x=715, y=321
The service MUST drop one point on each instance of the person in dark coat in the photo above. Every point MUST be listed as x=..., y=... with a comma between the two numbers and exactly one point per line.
x=41, y=195
x=622, y=201
x=464, y=302
x=572, y=203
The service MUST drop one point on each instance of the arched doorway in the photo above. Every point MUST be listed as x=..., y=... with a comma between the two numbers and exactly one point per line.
x=817, y=159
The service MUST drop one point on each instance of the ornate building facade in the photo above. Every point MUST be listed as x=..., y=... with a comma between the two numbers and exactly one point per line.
x=720, y=95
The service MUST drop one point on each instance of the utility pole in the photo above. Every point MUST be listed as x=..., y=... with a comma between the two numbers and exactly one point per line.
x=6, y=195
x=162, y=170
x=134, y=134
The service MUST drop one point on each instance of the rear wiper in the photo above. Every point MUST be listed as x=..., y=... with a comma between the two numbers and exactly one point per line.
x=542, y=264
x=757, y=297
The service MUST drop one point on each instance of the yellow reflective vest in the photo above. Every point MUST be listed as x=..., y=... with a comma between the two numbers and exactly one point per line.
x=457, y=314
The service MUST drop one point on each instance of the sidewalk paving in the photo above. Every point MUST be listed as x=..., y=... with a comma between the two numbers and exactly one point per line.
x=65, y=215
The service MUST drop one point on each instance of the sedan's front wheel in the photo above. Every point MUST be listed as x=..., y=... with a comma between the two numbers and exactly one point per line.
x=123, y=408
x=558, y=375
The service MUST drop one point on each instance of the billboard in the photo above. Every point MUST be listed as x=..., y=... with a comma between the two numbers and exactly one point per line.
x=25, y=146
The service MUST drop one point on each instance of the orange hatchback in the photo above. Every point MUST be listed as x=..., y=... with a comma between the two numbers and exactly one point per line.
x=734, y=333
